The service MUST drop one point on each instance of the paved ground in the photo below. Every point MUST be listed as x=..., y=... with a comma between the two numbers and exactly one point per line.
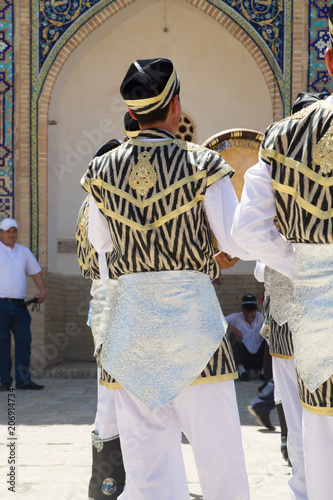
x=52, y=448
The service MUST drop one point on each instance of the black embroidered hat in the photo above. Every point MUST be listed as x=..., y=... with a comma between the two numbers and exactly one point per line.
x=131, y=126
x=149, y=84
x=112, y=144
x=330, y=25
x=305, y=99
x=249, y=301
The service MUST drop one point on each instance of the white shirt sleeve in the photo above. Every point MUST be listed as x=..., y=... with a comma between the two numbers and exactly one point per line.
x=32, y=266
x=98, y=232
x=253, y=226
x=220, y=204
x=259, y=271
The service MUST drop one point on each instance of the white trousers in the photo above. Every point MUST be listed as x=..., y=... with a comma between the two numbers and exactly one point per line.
x=285, y=381
x=151, y=444
x=105, y=420
x=318, y=455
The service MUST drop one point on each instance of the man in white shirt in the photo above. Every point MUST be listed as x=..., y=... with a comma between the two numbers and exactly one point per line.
x=15, y=261
x=247, y=345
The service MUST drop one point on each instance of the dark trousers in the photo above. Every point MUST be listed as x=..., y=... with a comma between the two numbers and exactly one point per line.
x=244, y=357
x=17, y=320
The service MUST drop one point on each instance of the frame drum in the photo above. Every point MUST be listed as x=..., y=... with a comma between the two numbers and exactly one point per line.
x=239, y=148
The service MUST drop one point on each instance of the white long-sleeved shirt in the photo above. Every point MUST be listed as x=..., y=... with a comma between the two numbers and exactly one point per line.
x=253, y=227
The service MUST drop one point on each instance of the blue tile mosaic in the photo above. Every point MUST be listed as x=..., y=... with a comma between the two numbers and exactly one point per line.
x=6, y=109
x=318, y=78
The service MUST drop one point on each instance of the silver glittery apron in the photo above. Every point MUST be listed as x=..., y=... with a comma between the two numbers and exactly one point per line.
x=311, y=313
x=159, y=332
x=281, y=290
x=98, y=305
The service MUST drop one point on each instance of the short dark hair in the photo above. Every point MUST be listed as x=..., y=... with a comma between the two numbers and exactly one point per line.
x=158, y=115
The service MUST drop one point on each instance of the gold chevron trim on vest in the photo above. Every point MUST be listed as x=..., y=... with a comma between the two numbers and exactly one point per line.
x=85, y=186
x=218, y=175
x=312, y=209
x=152, y=199
x=153, y=225
x=296, y=165
x=81, y=241
x=319, y=410
x=82, y=264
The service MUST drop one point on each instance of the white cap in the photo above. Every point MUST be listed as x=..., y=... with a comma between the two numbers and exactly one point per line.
x=6, y=224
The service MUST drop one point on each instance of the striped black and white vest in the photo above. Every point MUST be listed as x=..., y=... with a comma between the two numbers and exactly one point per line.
x=86, y=254
x=151, y=193
x=299, y=150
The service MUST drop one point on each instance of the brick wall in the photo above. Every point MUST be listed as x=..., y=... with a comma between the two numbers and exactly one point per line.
x=59, y=329
x=232, y=289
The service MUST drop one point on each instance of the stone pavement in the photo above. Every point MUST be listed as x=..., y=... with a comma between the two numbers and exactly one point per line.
x=52, y=448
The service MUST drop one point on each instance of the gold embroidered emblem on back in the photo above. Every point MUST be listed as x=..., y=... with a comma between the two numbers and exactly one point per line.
x=83, y=222
x=323, y=152
x=143, y=176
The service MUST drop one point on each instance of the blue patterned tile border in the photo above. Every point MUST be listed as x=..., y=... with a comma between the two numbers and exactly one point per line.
x=318, y=78
x=6, y=109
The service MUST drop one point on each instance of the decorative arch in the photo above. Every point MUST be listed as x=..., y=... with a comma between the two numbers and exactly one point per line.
x=46, y=65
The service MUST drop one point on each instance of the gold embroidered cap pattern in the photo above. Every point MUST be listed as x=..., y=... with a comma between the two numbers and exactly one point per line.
x=143, y=176
x=323, y=152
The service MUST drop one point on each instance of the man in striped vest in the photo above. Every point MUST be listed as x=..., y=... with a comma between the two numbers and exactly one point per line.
x=294, y=180
x=165, y=353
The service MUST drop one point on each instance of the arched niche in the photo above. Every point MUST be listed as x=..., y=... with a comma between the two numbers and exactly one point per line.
x=225, y=83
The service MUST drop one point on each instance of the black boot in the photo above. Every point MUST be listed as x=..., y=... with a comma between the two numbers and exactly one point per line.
x=108, y=473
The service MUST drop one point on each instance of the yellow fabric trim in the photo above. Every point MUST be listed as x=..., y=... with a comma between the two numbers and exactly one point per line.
x=152, y=199
x=85, y=186
x=319, y=410
x=300, y=167
x=84, y=266
x=216, y=378
x=81, y=241
x=197, y=381
x=140, y=103
x=110, y=385
x=218, y=175
x=312, y=209
x=153, y=225
x=262, y=153
x=282, y=356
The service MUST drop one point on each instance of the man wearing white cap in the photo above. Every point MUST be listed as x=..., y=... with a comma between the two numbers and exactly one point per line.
x=15, y=261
